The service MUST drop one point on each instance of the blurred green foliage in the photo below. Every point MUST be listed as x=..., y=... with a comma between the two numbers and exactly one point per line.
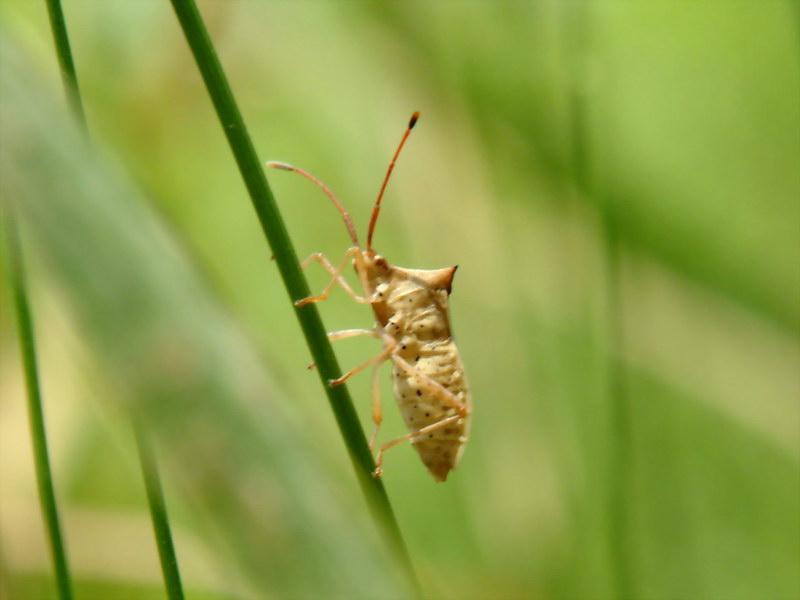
x=154, y=291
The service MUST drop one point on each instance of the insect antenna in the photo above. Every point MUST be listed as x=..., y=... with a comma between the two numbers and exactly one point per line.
x=345, y=215
x=377, y=208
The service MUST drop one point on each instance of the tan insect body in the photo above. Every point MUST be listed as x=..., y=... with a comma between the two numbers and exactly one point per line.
x=412, y=321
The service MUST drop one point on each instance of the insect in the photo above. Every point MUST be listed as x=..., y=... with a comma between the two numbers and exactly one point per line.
x=413, y=323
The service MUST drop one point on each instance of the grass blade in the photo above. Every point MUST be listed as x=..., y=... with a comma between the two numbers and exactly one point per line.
x=155, y=496
x=44, y=476
x=286, y=259
x=158, y=513
x=65, y=62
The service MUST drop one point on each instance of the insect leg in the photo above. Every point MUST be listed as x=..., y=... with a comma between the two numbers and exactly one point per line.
x=433, y=386
x=343, y=334
x=379, y=358
x=422, y=431
x=377, y=414
x=337, y=277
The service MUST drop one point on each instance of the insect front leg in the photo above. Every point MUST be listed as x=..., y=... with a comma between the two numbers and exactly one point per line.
x=336, y=277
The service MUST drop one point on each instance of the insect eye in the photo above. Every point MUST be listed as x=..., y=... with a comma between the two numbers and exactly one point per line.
x=380, y=261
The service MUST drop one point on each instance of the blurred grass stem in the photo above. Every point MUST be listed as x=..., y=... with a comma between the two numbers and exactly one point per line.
x=252, y=172
x=155, y=496
x=65, y=62
x=44, y=476
x=158, y=512
x=617, y=487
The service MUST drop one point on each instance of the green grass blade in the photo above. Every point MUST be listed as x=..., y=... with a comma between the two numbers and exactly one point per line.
x=158, y=512
x=255, y=180
x=155, y=497
x=44, y=476
x=65, y=62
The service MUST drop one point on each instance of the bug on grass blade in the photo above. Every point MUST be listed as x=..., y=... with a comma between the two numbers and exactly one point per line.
x=413, y=323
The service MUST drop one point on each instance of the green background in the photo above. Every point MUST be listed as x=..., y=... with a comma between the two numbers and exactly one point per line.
x=619, y=183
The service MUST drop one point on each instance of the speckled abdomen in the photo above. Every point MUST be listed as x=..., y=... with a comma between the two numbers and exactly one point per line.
x=441, y=449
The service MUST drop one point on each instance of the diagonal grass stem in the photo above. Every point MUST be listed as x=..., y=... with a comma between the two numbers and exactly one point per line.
x=286, y=259
x=27, y=341
x=67, y=65
x=148, y=460
x=158, y=513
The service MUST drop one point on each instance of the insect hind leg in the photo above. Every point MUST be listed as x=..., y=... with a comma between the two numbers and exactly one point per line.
x=409, y=436
x=432, y=386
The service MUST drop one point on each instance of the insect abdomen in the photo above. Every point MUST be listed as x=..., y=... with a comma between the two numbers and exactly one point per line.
x=441, y=449
x=418, y=321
